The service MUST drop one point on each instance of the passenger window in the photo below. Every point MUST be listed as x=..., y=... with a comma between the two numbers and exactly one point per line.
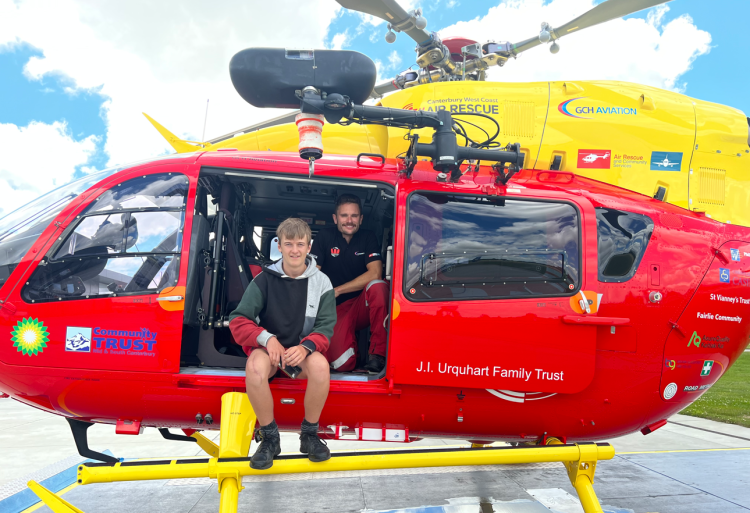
x=476, y=247
x=622, y=238
x=119, y=252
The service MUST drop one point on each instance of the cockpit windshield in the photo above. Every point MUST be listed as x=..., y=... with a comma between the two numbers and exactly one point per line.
x=20, y=229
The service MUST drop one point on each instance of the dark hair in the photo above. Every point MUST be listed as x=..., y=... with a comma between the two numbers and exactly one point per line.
x=348, y=198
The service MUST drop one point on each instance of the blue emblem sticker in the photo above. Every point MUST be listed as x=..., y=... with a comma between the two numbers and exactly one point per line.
x=723, y=275
x=666, y=161
x=735, y=254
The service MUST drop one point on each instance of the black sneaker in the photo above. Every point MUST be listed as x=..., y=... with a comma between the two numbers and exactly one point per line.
x=375, y=364
x=311, y=444
x=269, y=448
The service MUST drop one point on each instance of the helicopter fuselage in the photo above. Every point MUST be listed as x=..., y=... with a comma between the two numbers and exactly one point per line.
x=608, y=355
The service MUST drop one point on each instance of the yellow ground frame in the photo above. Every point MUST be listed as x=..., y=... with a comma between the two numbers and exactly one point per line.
x=229, y=462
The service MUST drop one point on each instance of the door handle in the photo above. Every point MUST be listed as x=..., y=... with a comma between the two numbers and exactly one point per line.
x=595, y=321
x=170, y=298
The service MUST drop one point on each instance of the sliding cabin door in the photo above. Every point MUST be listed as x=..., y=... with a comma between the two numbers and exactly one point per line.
x=488, y=292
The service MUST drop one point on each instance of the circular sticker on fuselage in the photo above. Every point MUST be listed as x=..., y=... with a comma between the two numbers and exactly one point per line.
x=670, y=390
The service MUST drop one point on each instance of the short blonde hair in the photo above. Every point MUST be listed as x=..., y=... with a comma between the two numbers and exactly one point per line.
x=293, y=228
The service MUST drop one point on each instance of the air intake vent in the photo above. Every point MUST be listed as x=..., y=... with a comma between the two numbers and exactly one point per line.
x=518, y=119
x=712, y=186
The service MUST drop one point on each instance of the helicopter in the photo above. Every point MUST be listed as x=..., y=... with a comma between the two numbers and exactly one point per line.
x=593, y=157
x=592, y=296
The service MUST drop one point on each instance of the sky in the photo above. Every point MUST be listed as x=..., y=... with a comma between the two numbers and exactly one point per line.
x=75, y=75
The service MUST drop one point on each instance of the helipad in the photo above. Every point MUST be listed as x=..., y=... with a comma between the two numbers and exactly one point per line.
x=690, y=466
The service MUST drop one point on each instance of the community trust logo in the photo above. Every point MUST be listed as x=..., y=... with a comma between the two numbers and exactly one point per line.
x=30, y=336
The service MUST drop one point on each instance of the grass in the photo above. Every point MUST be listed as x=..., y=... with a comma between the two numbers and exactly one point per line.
x=729, y=399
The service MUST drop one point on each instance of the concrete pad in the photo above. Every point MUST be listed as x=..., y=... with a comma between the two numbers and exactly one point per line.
x=36, y=439
x=674, y=437
x=713, y=480
x=719, y=473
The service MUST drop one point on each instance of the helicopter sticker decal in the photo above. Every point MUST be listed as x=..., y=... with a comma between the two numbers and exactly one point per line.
x=594, y=159
x=30, y=336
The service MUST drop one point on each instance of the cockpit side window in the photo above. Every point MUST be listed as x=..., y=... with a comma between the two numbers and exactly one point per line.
x=127, y=241
x=21, y=228
x=479, y=247
x=167, y=190
x=622, y=238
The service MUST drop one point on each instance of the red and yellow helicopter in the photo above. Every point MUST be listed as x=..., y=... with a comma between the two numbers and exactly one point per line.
x=567, y=260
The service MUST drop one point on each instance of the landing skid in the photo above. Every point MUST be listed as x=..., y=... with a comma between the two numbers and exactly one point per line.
x=229, y=462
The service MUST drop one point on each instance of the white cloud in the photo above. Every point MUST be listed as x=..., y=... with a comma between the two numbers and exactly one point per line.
x=634, y=50
x=163, y=58
x=394, y=60
x=37, y=158
x=340, y=40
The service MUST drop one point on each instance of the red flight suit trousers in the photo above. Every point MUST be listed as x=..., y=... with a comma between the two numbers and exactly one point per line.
x=367, y=309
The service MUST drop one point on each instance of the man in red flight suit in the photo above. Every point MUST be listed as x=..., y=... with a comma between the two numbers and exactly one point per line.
x=351, y=258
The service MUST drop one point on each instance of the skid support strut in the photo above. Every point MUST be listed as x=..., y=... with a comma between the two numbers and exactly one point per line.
x=232, y=463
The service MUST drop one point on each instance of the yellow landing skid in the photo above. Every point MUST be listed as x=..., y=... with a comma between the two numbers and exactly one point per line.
x=232, y=463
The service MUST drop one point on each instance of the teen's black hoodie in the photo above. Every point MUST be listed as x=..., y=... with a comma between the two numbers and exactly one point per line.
x=296, y=311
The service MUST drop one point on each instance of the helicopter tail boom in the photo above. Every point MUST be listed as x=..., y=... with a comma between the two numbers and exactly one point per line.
x=179, y=145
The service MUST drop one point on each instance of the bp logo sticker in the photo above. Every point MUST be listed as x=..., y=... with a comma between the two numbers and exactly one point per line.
x=30, y=336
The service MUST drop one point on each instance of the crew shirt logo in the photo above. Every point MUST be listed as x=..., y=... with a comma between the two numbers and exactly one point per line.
x=335, y=252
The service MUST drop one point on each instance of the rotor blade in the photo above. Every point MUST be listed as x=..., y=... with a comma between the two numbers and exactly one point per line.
x=603, y=12
x=383, y=87
x=387, y=10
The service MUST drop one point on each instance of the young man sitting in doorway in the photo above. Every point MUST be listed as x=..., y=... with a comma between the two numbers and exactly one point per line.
x=286, y=317
x=351, y=258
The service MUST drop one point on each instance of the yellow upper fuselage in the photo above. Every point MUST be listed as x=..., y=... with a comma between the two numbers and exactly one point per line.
x=633, y=136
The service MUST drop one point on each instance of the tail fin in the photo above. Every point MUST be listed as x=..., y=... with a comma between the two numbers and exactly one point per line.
x=180, y=145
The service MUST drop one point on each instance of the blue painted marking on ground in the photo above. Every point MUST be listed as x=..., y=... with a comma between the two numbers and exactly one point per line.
x=26, y=498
